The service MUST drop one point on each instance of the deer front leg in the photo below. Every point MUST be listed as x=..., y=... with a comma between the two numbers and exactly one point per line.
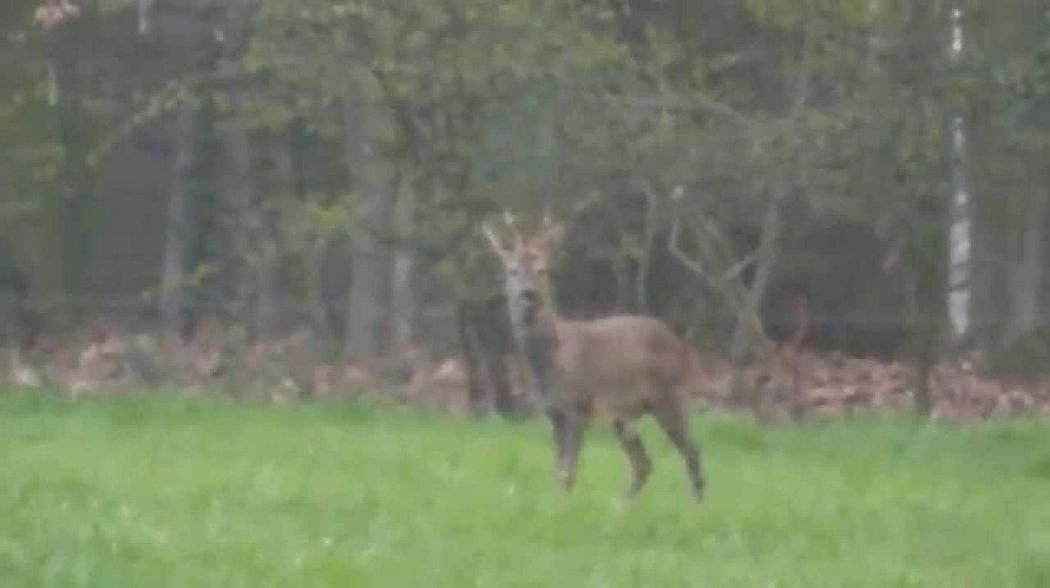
x=557, y=419
x=499, y=378
x=568, y=429
x=641, y=465
x=575, y=426
x=560, y=426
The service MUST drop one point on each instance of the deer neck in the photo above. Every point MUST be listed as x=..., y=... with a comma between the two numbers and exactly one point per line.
x=538, y=343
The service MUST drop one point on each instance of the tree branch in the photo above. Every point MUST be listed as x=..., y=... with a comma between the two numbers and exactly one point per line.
x=740, y=266
x=676, y=249
x=688, y=104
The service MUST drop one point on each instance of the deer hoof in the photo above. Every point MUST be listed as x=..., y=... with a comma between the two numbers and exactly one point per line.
x=698, y=491
x=566, y=480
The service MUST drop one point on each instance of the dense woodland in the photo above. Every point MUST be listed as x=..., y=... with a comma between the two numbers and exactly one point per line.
x=867, y=177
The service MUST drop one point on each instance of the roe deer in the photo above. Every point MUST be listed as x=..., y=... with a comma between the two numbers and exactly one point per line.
x=621, y=367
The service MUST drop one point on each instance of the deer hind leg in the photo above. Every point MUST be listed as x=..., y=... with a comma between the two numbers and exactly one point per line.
x=575, y=426
x=671, y=415
x=641, y=465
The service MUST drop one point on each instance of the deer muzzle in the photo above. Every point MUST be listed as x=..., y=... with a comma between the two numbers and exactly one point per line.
x=531, y=302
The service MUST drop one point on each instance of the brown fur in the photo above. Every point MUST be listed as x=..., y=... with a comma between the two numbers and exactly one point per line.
x=619, y=367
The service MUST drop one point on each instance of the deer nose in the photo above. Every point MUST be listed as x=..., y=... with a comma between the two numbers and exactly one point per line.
x=530, y=297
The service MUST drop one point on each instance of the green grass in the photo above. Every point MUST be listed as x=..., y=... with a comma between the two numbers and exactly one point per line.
x=166, y=490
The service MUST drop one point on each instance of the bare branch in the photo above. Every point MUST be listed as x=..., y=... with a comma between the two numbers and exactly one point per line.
x=688, y=104
x=649, y=237
x=740, y=266
x=676, y=249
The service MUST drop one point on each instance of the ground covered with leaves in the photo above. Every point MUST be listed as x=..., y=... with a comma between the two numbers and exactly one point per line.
x=171, y=490
x=787, y=384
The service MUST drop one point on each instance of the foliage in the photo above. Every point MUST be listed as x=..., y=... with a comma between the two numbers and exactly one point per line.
x=835, y=111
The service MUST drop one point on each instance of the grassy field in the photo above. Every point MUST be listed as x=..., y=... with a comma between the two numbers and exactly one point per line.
x=175, y=491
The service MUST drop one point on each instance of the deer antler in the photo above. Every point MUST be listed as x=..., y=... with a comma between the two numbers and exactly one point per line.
x=494, y=241
x=547, y=221
x=549, y=230
x=512, y=224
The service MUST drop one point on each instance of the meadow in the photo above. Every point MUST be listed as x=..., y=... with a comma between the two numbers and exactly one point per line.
x=168, y=489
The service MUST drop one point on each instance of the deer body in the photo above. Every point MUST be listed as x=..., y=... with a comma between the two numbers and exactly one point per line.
x=619, y=367
x=612, y=364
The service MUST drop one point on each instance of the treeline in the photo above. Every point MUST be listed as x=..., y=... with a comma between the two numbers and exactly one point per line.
x=868, y=175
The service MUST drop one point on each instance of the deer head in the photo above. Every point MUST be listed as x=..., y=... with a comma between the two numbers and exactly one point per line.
x=526, y=264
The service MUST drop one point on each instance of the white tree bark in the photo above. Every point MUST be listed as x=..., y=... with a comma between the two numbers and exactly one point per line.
x=145, y=17
x=960, y=214
x=960, y=217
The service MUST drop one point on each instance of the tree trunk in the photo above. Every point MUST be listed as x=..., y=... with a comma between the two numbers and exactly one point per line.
x=403, y=301
x=275, y=189
x=928, y=148
x=748, y=335
x=960, y=219
x=174, y=300
x=236, y=203
x=239, y=220
x=76, y=209
x=641, y=281
x=145, y=17
x=367, y=331
x=1026, y=275
x=315, y=289
x=267, y=293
